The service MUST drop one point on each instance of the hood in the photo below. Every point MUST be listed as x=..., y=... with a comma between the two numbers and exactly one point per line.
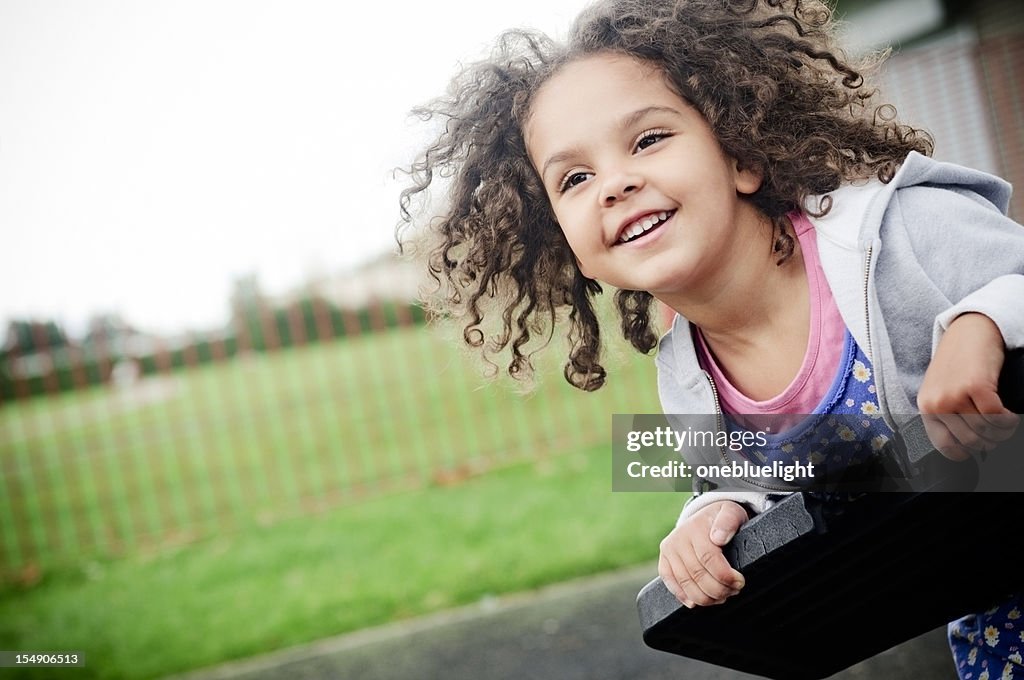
x=857, y=208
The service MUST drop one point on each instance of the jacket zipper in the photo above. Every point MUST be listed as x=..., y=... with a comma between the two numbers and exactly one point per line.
x=867, y=305
x=721, y=428
x=869, y=350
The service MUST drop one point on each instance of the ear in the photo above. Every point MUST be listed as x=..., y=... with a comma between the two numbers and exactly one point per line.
x=747, y=179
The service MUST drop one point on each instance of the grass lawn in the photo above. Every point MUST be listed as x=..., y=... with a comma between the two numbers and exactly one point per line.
x=231, y=509
x=268, y=437
x=387, y=558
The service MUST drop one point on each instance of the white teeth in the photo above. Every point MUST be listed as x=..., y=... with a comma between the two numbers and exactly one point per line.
x=642, y=225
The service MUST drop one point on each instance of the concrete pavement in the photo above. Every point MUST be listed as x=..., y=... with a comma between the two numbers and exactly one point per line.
x=581, y=630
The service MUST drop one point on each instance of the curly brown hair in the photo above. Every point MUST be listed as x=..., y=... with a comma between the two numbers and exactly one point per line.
x=767, y=76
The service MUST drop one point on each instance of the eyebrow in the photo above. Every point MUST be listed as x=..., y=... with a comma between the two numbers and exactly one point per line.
x=557, y=158
x=627, y=122
x=635, y=117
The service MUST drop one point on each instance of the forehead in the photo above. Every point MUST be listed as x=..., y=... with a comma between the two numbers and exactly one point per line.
x=602, y=73
x=594, y=91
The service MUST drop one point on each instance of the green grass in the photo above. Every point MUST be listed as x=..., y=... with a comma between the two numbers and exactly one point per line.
x=384, y=559
x=231, y=509
x=269, y=437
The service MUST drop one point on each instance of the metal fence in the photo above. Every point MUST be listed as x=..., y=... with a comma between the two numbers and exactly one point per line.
x=293, y=410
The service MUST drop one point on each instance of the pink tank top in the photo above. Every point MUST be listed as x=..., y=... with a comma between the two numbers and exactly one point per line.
x=824, y=346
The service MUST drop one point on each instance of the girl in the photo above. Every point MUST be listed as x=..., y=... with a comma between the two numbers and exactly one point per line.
x=725, y=158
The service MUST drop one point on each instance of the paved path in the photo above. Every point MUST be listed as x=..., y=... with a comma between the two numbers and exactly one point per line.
x=582, y=630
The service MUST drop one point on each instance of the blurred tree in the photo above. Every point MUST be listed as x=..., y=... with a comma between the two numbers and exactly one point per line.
x=106, y=328
x=31, y=336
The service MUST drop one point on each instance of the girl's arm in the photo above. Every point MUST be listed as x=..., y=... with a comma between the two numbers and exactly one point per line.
x=972, y=255
x=959, y=395
x=692, y=564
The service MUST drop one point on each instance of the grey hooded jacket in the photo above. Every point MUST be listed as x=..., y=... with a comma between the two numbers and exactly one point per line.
x=902, y=259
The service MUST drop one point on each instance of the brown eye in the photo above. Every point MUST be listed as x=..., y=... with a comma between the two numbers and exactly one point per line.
x=649, y=140
x=573, y=179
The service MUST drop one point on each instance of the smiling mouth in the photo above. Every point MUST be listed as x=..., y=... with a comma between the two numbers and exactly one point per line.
x=641, y=227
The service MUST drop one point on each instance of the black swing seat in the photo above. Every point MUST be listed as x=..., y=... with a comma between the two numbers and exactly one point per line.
x=831, y=583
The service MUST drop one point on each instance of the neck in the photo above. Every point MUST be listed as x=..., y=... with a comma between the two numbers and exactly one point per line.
x=752, y=297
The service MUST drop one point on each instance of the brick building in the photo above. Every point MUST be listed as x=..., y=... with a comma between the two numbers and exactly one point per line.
x=958, y=76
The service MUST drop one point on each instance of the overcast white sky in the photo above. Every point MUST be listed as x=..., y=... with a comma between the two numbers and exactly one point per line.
x=151, y=151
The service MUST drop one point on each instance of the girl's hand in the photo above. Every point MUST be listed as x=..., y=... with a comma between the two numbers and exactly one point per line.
x=692, y=564
x=959, y=398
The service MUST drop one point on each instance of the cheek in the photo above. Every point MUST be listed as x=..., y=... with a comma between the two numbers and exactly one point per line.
x=584, y=269
x=571, y=238
x=578, y=247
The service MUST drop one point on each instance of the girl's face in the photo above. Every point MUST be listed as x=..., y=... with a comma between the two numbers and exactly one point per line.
x=638, y=182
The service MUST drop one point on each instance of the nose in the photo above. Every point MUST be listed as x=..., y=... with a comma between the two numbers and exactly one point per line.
x=619, y=186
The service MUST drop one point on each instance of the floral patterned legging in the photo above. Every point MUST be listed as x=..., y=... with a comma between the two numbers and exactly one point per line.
x=988, y=646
